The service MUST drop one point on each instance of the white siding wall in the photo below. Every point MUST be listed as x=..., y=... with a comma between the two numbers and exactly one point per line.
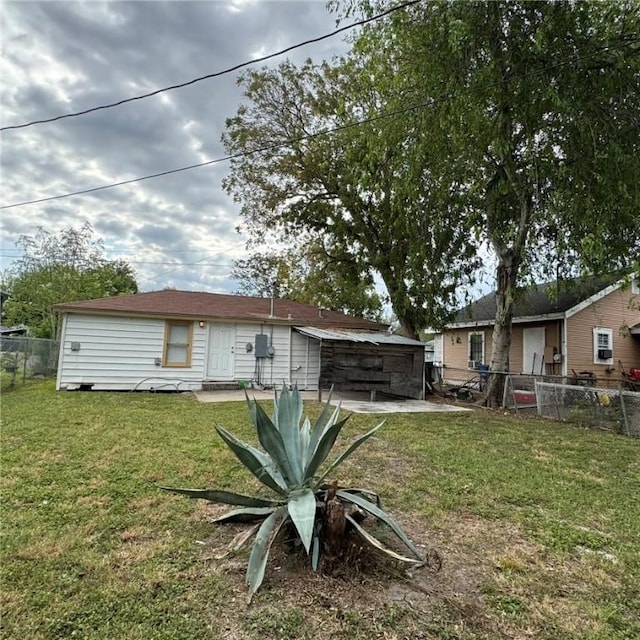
x=287, y=363
x=305, y=361
x=119, y=353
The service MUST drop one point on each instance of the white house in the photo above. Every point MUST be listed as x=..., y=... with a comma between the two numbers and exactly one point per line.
x=182, y=340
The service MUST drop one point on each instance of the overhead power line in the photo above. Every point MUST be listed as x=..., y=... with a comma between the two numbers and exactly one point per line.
x=233, y=156
x=217, y=74
x=290, y=141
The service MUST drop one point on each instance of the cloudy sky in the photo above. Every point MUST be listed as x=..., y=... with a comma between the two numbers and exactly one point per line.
x=61, y=57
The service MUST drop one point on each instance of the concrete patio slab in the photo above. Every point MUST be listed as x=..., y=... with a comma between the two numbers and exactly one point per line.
x=354, y=402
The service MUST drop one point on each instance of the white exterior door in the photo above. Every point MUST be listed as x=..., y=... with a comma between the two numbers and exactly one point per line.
x=220, y=356
x=533, y=342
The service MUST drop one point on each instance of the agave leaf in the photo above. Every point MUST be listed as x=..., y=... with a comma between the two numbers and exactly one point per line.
x=324, y=448
x=252, y=408
x=289, y=427
x=239, y=541
x=302, y=509
x=248, y=514
x=372, y=496
x=225, y=497
x=382, y=516
x=260, y=464
x=271, y=439
x=305, y=437
x=345, y=454
x=260, y=552
x=323, y=423
x=374, y=542
x=315, y=552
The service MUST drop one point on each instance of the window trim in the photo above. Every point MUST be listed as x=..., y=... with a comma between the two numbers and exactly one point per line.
x=475, y=333
x=168, y=324
x=609, y=333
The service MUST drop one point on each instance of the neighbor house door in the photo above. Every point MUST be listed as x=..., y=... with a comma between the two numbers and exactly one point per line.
x=220, y=356
x=533, y=342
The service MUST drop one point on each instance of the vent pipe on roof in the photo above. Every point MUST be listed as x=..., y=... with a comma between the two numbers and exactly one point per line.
x=320, y=310
x=273, y=295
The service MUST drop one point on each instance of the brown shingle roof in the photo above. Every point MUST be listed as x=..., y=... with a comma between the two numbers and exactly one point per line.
x=191, y=304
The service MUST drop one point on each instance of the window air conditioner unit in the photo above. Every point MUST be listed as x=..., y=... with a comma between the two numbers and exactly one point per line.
x=605, y=354
x=473, y=364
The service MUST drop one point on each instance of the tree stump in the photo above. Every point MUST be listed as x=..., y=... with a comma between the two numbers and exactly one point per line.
x=335, y=525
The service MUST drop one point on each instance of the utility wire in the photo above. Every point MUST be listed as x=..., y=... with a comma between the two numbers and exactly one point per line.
x=233, y=156
x=217, y=73
x=284, y=143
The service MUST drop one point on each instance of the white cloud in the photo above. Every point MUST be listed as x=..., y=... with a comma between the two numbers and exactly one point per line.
x=66, y=56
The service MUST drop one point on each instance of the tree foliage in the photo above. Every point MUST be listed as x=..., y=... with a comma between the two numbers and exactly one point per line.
x=365, y=190
x=313, y=274
x=461, y=126
x=540, y=102
x=55, y=268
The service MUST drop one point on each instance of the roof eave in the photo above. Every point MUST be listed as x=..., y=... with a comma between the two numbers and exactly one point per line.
x=517, y=320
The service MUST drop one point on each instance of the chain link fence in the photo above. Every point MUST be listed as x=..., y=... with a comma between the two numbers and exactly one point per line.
x=23, y=359
x=615, y=410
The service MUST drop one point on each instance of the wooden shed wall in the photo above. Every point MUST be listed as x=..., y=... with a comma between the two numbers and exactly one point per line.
x=394, y=369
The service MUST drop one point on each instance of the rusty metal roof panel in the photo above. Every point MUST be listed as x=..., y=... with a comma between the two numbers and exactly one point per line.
x=371, y=337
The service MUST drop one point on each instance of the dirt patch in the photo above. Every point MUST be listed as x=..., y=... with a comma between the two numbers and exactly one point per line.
x=371, y=592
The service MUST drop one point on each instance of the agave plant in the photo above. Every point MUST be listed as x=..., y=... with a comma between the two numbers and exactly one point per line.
x=290, y=466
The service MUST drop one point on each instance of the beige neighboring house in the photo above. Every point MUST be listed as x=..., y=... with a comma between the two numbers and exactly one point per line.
x=591, y=326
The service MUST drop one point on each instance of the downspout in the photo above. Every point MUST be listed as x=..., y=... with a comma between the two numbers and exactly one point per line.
x=63, y=331
x=320, y=372
x=565, y=355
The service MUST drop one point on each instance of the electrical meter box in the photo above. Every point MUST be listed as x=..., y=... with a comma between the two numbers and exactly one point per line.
x=262, y=345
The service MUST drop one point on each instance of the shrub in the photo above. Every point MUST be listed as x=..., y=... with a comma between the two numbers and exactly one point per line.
x=322, y=514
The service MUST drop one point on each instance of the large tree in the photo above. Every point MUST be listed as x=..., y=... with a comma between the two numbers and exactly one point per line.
x=540, y=102
x=56, y=268
x=364, y=190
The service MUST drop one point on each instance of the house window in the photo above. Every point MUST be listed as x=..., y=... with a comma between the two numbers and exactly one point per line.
x=476, y=348
x=602, y=345
x=177, y=344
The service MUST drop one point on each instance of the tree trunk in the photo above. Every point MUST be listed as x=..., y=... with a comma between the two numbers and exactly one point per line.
x=507, y=272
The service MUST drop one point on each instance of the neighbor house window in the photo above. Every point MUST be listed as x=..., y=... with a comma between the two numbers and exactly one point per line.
x=476, y=348
x=602, y=345
x=178, y=338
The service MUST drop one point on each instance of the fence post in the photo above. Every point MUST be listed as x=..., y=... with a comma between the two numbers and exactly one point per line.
x=627, y=430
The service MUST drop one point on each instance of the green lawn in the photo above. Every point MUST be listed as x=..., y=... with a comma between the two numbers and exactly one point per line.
x=536, y=522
